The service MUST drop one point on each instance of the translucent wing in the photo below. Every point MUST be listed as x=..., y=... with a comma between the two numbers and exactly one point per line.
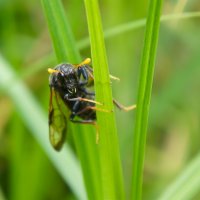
x=57, y=121
x=90, y=74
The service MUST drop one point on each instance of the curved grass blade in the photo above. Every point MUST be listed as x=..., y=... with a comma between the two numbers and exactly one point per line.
x=136, y=24
x=2, y=197
x=25, y=104
x=186, y=186
x=61, y=34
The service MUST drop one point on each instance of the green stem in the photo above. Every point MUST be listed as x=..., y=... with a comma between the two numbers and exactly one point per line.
x=144, y=95
x=186, y=185
x=111, y=172
x=61, y=34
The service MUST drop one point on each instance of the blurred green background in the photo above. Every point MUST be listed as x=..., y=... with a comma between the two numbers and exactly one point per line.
x=174, y=122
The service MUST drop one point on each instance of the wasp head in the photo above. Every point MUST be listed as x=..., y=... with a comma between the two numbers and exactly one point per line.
x=64, y=78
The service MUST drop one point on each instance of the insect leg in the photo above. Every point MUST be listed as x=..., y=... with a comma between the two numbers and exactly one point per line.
x=84, y=99
x=122, y=107
x=85, y=65
x=91, y=72
x=91, y=122
x=114, y=78
x=82, y=71
x=93, y=108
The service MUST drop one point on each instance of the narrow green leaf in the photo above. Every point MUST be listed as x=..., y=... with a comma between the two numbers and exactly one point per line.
x=111, y=173
x=61, y=34
x=25, y=104
x=2, y=197
x=136, y=24
x=186, y=186
x=144, y=95
x=84, y=135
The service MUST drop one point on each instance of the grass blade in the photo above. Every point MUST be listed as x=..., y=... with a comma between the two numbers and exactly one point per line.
x=186, y=185
x=144, y=95
x=84, y=137
x=2, y=197
x=111, y=173
x=136, y=24
x=61, y=34
x=117, y=30
x=37, y=123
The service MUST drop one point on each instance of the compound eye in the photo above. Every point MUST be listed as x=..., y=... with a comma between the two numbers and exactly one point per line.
x=61, y=76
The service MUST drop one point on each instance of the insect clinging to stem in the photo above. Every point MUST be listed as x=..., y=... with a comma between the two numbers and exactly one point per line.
x=69, y=85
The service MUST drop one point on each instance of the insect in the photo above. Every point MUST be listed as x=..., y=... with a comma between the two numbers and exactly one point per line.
x=69, y=85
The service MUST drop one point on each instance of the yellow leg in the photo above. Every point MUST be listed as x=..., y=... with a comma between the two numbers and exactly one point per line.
x=114, y=78
x=84, y=99
x=97, y=133
x=93, y=108
x=122, y=107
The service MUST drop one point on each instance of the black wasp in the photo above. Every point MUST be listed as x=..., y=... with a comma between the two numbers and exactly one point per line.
x=69, y=87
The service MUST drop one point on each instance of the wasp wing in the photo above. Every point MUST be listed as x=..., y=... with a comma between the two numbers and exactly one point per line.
x=57, y=121
x=91, y=76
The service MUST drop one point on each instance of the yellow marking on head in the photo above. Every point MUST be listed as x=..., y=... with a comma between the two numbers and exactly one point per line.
x=85, y=62
x=51, y=71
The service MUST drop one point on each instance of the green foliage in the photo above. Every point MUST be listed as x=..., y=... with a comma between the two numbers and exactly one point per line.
x=111, y=174
x=61, y=34
x=144, y=95
x=186, y=185
x=37, y=124
x=166, y=152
